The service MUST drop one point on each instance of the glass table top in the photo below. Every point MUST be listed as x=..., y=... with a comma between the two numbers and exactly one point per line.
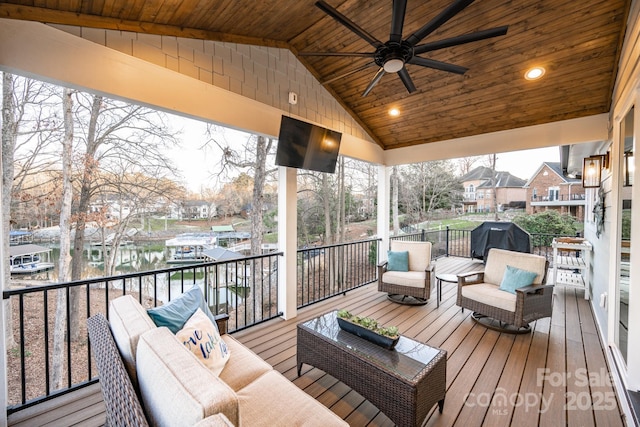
x=408, y=359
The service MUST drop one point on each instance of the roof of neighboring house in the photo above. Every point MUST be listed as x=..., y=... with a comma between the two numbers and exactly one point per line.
x=483, y=173
x=503, y=180
x=479, y=173
x=555, y=167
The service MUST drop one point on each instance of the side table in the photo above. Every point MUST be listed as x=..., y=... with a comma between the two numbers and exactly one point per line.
x=449, y=278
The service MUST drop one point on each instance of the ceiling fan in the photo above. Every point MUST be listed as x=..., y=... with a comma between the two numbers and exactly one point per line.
x=393, y=55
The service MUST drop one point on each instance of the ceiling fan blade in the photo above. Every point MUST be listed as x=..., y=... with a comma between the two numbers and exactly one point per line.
x=397, y=20
x=406, y=79
x=374, y=82
x=466, y=38
x=348, y=73
x=455, y=8
x=438, y=65
x=329, y=10
x=356, y=54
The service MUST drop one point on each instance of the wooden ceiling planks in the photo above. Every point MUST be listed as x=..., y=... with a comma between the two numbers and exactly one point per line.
x=578, y=43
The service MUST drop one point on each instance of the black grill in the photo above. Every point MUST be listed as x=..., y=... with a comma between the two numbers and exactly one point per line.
x=501, y=235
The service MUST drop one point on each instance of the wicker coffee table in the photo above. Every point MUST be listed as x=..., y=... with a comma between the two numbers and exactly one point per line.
x=404, y=383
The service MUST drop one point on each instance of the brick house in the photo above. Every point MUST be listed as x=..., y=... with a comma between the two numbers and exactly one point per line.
x=548, y=188
x=478, y=190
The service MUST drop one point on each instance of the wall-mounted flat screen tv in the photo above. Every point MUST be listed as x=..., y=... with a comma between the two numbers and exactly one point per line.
x=303, y=145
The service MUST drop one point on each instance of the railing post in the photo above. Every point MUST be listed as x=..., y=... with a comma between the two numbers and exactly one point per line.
x=446, y=250
x=423, y=235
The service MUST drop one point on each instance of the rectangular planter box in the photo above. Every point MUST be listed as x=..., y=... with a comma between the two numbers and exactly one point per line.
x=368, y=334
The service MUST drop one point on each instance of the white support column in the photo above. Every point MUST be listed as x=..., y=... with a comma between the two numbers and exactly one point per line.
x=287, y=240
x=384, y=207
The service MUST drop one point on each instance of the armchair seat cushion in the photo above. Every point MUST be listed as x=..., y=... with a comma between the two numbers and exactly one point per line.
x=489, y=294
x=414, y=279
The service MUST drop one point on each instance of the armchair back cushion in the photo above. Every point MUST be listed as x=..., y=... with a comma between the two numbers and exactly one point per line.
x=419, y=253
x=498, y=259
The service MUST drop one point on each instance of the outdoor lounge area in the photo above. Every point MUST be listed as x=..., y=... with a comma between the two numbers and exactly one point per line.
x=556, y=375
x=451, y=81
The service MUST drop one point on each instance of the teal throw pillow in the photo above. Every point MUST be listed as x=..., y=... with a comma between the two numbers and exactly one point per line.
x=515, y=278
x=176, y=312
x=398, y=261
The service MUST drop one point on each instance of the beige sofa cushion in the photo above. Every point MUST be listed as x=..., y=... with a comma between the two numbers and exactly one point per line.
x=176, y=389
x=217, y=420
x=419, y=253
x=272, y=400
x=413, y=279
x=490, y=294
x=498, y=259
x=128, y=320
x=243, y=367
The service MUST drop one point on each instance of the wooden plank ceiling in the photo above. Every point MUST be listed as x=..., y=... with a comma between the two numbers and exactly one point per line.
x=577, y=42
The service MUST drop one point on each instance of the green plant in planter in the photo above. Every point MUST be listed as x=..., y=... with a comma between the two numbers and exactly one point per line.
x=369, y=323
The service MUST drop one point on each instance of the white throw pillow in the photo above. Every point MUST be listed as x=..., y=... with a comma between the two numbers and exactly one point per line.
x=201, y=337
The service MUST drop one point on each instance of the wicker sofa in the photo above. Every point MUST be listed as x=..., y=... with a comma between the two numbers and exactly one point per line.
x=148, y=377
x=480, y=292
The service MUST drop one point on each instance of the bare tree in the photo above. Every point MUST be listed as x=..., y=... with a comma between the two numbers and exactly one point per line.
x=139, y=193
x=112, y=130
x=9, y=136
x=64, y=261
x=26, y=133
x=251, y=157
x=466, y=164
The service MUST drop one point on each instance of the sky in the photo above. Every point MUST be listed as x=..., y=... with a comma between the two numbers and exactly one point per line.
x=198, y=164
x=523, y=164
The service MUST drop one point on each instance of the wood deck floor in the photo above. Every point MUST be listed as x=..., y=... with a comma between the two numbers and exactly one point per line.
x=555, y=376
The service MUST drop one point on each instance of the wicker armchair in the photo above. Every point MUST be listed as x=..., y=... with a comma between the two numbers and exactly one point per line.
x=500, y=310
x=411, y=287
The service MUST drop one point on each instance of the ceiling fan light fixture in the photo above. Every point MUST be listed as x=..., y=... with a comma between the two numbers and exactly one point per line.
x=393, y=65
x=534, y=73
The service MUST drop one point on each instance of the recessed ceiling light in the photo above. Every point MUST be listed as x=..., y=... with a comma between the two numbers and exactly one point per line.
x=534, y=73
x=394, y=112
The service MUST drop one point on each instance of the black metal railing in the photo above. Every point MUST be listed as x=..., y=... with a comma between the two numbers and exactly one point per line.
x=452, y=242
x=245, y=288
x=326, y=271
x=446, y=242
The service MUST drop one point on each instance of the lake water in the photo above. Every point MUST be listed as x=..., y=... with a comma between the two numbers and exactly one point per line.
x=138, y=257
x=141, y=256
